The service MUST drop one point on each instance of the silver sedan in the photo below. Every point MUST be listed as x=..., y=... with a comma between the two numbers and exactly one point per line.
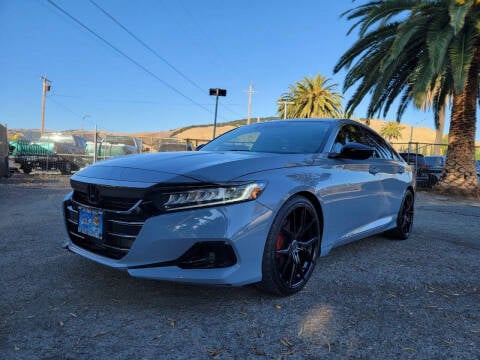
x=258, y=204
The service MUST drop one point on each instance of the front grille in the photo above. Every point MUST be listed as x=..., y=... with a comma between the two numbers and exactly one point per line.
x=106, y=202
x=122, y=221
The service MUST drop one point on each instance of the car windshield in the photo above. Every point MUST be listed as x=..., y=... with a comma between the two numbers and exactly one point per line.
x=286, y=138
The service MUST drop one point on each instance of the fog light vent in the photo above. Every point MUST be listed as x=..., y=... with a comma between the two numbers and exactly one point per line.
x=207, y=255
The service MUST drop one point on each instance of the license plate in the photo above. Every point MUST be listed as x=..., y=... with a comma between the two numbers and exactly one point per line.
x=90, y=222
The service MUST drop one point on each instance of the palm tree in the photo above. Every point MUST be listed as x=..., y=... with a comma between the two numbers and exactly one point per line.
x=392, y=131
x=407, y=48
x=311, y=98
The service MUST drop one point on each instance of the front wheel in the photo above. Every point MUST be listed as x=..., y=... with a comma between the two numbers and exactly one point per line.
x=404, y=218
x=292, y=248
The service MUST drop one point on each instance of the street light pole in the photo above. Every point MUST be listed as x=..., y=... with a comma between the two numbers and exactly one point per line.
x=285, y=103
x=216, y=92
x=215, y=119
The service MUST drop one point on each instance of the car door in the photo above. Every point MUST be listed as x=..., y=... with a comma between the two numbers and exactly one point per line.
x=391, y=173
x=352, y=201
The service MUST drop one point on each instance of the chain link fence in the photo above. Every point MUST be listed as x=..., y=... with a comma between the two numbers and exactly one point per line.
x=27, y=156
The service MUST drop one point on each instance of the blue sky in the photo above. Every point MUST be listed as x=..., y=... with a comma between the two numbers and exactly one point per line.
x=213, y=43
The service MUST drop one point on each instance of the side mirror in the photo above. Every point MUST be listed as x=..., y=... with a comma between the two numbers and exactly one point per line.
x=355, y=151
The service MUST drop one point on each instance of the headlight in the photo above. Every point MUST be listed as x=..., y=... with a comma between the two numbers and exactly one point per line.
x=209, y=196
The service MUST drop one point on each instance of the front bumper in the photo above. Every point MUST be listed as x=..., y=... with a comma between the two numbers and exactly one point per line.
x=164, y=239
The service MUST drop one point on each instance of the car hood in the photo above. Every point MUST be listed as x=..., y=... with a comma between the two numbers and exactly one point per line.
x=198, y=166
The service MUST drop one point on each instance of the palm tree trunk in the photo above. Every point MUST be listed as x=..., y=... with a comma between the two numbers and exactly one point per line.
x=459, y=175
x=439, y=130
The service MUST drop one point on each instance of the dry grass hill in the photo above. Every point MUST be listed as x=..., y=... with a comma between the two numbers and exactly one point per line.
x=420, y=134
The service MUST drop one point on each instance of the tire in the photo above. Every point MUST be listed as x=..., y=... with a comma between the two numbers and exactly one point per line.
x=404, y=218
x=292, y=248
x=27, y=169
x=66, y=168
x=432, y=180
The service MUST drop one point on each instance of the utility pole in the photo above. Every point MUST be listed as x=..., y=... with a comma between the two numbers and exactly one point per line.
x=95, y=139
x=250, y=93
x=45, y=87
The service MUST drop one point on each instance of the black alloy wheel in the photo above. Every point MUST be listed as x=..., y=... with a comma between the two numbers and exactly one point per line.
x=292, y=248
x=405, y=218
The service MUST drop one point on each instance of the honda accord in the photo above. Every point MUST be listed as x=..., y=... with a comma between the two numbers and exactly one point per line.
x=259, y=204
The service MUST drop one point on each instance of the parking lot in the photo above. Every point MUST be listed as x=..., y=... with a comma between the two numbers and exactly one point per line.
x=376, y=298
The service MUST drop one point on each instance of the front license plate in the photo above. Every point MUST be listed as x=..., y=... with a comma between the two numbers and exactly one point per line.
x=90, y=222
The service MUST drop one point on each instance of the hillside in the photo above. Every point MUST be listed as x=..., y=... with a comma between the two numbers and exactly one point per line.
x=204, y=132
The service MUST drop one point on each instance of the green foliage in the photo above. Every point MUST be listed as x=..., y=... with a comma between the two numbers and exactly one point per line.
x=423, y=52
x=408, y=48
x=312, y=98
x=392, y=131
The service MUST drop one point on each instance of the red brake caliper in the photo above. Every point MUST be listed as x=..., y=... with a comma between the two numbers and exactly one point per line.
x=279, y=244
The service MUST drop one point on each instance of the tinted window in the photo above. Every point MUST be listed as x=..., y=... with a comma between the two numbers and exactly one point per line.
x=413, y=158
x=120, y=140
x=381, y=149
x=286, y=138
x=434, y=161
x=347, y=134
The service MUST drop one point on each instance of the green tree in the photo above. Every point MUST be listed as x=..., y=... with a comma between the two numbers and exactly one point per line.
x=392, y=131
x=407, y=48
x=311, y=98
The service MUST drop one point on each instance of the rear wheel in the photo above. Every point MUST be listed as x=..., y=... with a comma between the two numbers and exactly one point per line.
x=26, y=168
x=405, y=218
x=292, y=248
x=432, y=180
x=66, y=168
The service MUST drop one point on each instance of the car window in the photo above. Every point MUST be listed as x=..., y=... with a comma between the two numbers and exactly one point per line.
x=413, y=158
x=57, y=138
x=381, y=149
x=347, y=134
x=120, y=140
x=435, y=161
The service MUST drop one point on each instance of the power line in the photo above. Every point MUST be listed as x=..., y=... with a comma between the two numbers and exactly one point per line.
x=145, y=45
x=218, y=56
x=50, y=98
x=126, y=56
x=80, y=117
x=133, y=101
x=149, y=48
